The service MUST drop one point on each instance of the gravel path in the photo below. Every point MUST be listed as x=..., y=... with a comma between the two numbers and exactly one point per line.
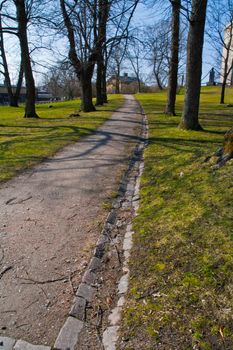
x=50, y=219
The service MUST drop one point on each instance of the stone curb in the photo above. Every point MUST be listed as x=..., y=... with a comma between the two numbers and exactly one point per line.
x=7, y=343
x=110, y=335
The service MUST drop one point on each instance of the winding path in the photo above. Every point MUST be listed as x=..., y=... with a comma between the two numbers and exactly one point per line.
x=50, y=219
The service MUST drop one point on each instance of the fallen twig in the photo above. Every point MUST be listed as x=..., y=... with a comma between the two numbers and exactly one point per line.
x=19, y=202
x=32, y=281
x=32, y=303
x=72, y=216
x=2, y=253
x=5, y=270
x=71, y=284
x=10, y=200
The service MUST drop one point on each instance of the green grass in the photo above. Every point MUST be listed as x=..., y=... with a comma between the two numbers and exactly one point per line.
x=181, y=286
x=25, y=142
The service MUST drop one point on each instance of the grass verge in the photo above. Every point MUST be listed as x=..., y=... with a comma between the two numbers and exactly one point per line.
x=26, y=142
x=181, y=285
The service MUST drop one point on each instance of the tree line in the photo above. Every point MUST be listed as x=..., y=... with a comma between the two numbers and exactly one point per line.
x=99, y=32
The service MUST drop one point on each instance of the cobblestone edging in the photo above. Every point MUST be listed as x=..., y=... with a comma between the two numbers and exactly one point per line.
x=128, y=197
x=110, y=335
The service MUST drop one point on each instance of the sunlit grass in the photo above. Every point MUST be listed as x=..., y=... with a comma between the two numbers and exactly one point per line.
x=181, y=294
x=25, y=142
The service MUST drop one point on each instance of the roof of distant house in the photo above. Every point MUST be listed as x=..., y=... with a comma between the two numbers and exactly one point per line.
x=124, y=78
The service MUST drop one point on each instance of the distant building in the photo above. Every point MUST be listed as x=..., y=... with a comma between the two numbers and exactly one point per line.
x=122, y=84
x=41, y=95
x=4, y=100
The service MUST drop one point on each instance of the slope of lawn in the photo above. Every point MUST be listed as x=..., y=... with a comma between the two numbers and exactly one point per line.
x=25, y=142
x=181, y=286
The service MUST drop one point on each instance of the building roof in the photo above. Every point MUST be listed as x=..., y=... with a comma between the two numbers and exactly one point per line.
x=126, y=79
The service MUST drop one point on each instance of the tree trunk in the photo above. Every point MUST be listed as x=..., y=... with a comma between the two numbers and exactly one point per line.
x=117, y=88
x=7, y=80
x=194, y=66
x=86, y=87
x=160, y=86
x=104, y=84
x=19, y=84
x=223, y=88
x=172, y=85
x=103, y=14
x=30, y=110
x=99, y=82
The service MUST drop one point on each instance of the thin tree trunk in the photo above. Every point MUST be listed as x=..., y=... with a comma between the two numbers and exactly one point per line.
x=158, y=81
x=104, y=84
x=223, y=88
x=7, y=80
x=117, y=88
x=99, y=82
x=30, y=109
x=172, y=85
x=139, y=84
x=194, y=66
x=19, y=84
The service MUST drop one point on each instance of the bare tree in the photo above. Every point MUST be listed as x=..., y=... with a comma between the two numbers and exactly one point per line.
x=194, y=65
x=115, y=64
x=13, y=93
x=117, y=35
x=81, y=19
x=22, y=20
x=61, y=81
x=135, y=56
x=157, y=45
x=103, y=17
x=174, y=61
x=220, y=34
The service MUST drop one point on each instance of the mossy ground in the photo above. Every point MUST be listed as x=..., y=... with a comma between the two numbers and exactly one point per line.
x=25, y=142
x=181, y=285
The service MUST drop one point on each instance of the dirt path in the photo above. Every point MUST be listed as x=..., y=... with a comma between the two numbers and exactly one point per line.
x=50, y=218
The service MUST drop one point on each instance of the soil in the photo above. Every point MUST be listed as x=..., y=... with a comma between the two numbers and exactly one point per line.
x=50, y=219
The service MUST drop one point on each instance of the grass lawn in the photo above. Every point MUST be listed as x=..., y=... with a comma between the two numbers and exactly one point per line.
x=25, y=142
x=181, y=286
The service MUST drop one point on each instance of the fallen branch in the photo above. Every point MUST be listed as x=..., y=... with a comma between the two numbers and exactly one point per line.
x=19, y=202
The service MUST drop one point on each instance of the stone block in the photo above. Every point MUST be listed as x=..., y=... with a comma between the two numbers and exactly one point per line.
x=112, y=217
x=123, y=284
x=128, y=243
x=110, y=338
x=6, y=343
x=89, y=277
x=85, y=291
x=78, y=309
x=115, y=316
x=23, y=345
x=69, y=334
x=95, y=264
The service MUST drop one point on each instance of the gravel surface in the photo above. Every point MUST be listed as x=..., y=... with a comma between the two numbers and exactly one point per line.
x=50, y=219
